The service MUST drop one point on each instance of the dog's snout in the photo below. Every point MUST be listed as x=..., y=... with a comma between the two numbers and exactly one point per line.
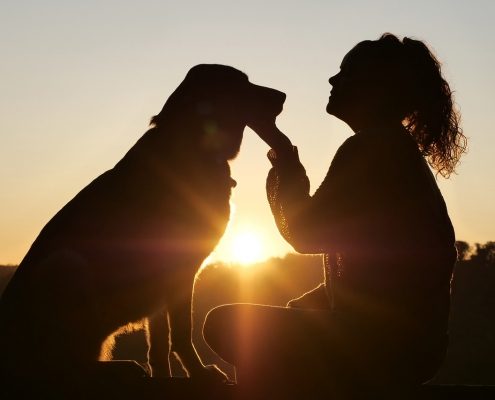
x=266, y=100
x=276, y=95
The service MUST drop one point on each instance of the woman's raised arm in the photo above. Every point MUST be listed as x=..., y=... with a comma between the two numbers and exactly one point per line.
x=309, y=223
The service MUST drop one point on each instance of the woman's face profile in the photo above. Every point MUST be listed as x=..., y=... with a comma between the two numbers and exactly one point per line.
x=359, y=88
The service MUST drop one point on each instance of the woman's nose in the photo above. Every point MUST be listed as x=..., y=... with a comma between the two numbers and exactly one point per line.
x=332, y=80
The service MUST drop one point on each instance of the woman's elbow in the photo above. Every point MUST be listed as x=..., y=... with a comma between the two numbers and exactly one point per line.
x=304, y=245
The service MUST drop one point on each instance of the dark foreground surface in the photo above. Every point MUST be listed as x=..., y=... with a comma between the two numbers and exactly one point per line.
x=135, y=385
x=181, y=388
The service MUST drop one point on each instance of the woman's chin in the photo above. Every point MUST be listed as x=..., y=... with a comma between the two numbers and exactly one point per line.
x=330, y=108
x=337, y=113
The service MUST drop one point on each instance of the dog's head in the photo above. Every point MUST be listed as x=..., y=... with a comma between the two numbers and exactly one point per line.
x=212, y=105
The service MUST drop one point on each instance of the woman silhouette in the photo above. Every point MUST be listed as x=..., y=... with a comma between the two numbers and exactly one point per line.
x=381, y=222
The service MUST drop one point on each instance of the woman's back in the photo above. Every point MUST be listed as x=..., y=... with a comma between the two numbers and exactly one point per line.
x=395, y=252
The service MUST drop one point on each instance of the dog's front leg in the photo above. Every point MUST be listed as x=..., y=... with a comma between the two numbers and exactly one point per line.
x=159, y=344
x=181, y=334
x=180, y=316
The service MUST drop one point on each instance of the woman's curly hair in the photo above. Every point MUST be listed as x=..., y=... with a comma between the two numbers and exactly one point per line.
x=423, y=100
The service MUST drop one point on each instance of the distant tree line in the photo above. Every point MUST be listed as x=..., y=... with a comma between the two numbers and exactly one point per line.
x=471, y=354
x=482, y=254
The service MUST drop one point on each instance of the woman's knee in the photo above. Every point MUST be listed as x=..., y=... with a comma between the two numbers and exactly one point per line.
x=218, y=330
x=210, y=327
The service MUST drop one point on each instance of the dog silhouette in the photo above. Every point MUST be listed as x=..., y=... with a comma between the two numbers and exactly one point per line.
x=129, y=244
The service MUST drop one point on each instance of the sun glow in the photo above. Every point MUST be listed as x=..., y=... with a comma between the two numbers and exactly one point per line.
x=242, y=249
x=247, y=248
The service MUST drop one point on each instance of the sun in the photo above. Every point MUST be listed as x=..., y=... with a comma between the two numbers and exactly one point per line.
x=247, y=248
x=242, y=245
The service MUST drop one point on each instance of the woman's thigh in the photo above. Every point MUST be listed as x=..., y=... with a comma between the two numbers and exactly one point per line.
x=291, y=344
x=250, y=335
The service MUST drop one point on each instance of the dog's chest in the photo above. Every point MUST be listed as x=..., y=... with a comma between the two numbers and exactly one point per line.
x=199, y=203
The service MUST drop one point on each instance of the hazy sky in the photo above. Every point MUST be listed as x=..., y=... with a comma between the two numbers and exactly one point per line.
x=80, y=80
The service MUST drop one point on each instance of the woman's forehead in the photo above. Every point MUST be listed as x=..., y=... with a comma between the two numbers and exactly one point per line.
x=363, y=55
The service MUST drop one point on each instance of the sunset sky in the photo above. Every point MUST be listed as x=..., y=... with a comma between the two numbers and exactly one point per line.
x=80, y=80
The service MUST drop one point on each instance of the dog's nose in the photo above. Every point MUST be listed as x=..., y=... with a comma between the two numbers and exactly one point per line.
x=282, y=96
x=277, y=97
x=277, y=100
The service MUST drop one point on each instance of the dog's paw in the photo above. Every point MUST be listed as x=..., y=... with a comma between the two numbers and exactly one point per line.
x=212, y=374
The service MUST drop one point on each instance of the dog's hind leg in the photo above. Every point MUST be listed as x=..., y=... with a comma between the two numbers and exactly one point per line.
x=159, y=344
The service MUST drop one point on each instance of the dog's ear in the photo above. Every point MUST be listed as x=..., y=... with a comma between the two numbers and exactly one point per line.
x=177, y=106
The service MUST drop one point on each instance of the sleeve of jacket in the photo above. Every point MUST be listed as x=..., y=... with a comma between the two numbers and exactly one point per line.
x=311, y=224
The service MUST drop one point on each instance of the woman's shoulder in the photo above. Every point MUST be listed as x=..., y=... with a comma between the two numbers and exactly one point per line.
x=352, y=144
x=387, y=143
x=380, y=155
